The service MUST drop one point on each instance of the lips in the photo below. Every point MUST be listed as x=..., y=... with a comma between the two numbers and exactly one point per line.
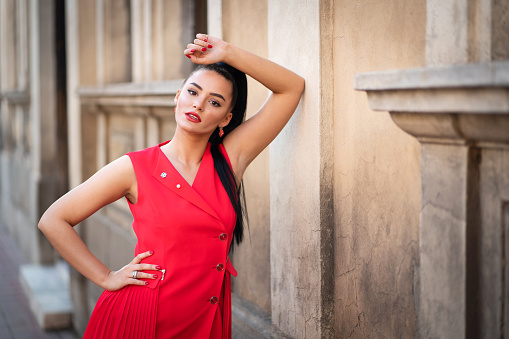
x=191, y=116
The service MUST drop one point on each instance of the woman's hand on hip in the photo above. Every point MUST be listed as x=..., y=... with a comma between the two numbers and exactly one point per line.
x=206, y=49
x=127, y=276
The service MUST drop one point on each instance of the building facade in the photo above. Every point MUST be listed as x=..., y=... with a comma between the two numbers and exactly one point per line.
x=371, y=215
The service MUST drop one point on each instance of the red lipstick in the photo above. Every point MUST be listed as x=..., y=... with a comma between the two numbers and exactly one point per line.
x=191, y=116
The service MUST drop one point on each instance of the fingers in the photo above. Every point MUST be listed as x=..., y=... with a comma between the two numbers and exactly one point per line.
x=136, y=281
x=200, y=44
x=202, y=36
x=135, y=273
x=136, y=266
x=143, y=275
x=146, y=267
x=127, y=276
x=193, y=48
x=137, y=259
x=139, y=268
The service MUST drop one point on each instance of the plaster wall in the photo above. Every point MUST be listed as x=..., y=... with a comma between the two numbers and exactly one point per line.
x=376, y=174
x=245, y=25
x=300, y=173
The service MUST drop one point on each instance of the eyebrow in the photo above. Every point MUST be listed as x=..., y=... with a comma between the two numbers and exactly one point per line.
x=214, y=94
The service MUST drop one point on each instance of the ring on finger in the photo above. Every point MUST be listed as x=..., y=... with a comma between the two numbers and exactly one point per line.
x=135, y=275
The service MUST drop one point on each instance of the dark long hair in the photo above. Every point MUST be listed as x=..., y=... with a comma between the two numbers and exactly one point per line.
x=238, y=109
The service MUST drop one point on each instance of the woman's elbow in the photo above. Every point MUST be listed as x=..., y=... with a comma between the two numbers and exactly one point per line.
x=47, y=222
x=300, y=85
x=43, y=223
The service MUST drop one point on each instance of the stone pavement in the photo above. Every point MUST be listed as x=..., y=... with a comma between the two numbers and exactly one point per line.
x=16, y=319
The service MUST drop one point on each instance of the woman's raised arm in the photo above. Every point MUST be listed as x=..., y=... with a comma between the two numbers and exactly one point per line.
x=245, y=142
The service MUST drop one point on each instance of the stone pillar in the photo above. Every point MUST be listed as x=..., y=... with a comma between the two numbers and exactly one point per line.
x=215, y=18
x=460, y=114
x=301, y=158
x=73, y=80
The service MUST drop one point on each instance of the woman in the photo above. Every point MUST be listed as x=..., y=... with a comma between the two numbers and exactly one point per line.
x=184, y=198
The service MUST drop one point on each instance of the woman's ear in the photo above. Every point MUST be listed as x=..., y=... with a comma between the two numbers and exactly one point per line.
x=226, y=120
x=176, y=97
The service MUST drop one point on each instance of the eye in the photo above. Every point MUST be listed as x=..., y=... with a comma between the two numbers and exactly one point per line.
x=192, y=92
x=215, y=103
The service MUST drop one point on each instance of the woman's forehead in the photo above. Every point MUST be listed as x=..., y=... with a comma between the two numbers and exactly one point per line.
x=210, y=81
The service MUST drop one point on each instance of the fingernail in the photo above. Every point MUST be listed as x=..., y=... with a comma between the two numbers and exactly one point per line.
x=209, y=46
x=203, y=49
x=188, y=56
x=155, y=276
x=193, y=50
x=158, y=267
x=146, y=282
x=205, y=40
x=151, y=252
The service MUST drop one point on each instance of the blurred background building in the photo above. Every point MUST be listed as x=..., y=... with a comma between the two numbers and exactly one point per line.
x=362, y=223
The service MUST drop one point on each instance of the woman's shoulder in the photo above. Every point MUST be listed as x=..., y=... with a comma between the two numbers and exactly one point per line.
x=146, y=152
x=144, y=159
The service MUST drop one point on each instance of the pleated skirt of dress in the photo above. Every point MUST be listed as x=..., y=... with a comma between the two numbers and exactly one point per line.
x=127, y=313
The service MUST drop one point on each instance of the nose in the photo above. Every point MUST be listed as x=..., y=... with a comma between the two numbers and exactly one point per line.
x=198, y=105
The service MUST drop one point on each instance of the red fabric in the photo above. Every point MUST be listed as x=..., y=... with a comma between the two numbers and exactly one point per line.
x=182, y=224
x=227, y=306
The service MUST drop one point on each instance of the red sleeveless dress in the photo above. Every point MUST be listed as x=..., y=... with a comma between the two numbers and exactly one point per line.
x=190, y=229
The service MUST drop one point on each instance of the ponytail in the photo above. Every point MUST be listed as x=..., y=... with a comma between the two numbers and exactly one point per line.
x=224, y=171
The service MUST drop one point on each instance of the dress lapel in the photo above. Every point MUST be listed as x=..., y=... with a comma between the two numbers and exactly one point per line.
x=168, y=176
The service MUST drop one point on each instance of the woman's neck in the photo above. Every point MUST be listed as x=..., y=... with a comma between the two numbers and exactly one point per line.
x=187, y=149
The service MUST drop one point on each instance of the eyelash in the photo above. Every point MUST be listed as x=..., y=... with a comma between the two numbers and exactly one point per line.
x=212, y=102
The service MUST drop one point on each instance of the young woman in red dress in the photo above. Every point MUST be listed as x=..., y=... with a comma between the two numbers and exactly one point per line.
x=184, y=195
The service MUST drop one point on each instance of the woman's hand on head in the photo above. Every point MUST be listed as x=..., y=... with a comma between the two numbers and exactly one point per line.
x=206, y=49
x=124, y=276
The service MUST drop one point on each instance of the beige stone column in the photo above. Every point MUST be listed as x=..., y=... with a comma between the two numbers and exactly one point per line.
x=73, y=104
x=300, y=38
x=215, y=18
x=460, y=114
x=43, y=93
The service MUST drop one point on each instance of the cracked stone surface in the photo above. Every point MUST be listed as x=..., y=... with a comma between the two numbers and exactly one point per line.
x=376, y=176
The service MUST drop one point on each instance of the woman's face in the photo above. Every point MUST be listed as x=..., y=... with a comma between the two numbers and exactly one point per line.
x=203, y=103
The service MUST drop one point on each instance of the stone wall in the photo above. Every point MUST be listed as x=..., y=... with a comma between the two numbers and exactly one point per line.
x=376, y=174
x=302, y=229
x=33, y=169
x=456, y=107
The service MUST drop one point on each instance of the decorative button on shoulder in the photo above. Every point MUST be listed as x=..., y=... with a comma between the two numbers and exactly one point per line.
x=214, y=300
x=163, y=175
x=220, y=267
x=178, y=185
x=223, y=236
